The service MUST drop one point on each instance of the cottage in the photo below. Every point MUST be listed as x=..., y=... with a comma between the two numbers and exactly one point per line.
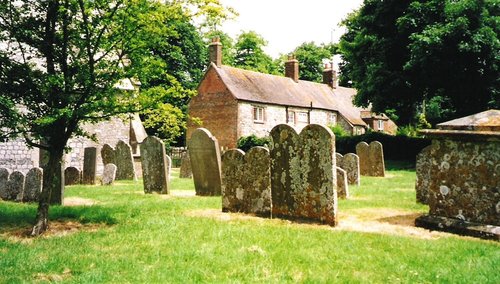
x=233, y=102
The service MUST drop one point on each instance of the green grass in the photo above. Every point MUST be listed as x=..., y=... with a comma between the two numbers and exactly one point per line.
x=153, y=239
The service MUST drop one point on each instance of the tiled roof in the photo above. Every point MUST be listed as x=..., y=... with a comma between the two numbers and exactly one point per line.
x=484, y=121
x=265, y=88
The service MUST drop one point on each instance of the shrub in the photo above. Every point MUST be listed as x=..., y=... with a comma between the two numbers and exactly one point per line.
x=338, y=130
x=245, y=143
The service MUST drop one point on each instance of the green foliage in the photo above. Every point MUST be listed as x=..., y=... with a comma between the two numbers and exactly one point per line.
x=311, y=58
x=250, y=55
x=245, y=143
x=407, y=130
x=338, y=130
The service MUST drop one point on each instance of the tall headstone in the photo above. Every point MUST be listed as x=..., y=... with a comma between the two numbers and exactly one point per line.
x=33, y=185
x=423, y=171
x=109, y=174
x=246, y=181
x=342, y=186
x=125, y=169
x=350, y=163
x=4, y=179
x=16, y=186
x=204, y=154
x=72, y=176
x=377, y=159
x=89, y=165
x=303, y=178
x=363, y=152
x=155, y=167
x=185, y=171
x=57, y=194
x=107, y=154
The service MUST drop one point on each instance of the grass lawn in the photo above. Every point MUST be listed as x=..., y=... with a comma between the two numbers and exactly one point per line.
x=119, y=234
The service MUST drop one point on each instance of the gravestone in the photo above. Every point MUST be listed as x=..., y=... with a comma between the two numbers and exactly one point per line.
x=16, y=186
x=303, y=178
x=342, y=186
x=125, y=169
x=109, y=174
x=33, y=185
x=350, y=163
x=107, y=154
x=338, y=158
x=363, y=152
x=204, y=154
x=422, y=169
x=4, y=179
x=371, y=159
x=185, y=171
x=246, y=181
x=57, y=195
x=155, y=167
x=72, y=176
x=89, y=165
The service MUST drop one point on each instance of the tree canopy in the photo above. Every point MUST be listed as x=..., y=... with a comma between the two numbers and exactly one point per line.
x=407, y=57
x=311, y=58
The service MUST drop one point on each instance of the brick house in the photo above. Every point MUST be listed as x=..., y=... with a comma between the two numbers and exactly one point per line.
x=233, y=102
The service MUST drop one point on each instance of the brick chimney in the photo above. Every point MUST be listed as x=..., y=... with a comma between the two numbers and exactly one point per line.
x=215, y=51
x=292, y=68
x=330, y=76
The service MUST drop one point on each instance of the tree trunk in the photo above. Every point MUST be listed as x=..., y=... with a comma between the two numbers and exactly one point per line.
x=53, y=184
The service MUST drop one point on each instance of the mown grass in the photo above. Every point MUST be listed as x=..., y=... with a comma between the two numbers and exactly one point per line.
x=152, y=239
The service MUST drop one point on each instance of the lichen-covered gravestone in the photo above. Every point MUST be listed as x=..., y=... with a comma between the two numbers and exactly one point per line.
x=303, y=178
x=204, y=154
x=363, y=152
x=246, y=181
x=342, y=187
x=185, y=171
x=155, y=167
x=423, y=167
x=125, y=169
x=371, y=159
x=16, y=186
x=89, y=165
x=4, y=179
x=109, y=174
x=107, y=154
x=350, y=163
x=33, y=185
x=72, y=176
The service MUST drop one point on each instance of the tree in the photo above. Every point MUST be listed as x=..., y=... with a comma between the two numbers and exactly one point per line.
x=61, y=63
x=250, y=55
x=311, y=57
x=402, y=55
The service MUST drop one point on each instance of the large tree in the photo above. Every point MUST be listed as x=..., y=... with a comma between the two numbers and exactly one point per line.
x=61, y=64
x=311, y=58
x=405, y=55
x=250, y=54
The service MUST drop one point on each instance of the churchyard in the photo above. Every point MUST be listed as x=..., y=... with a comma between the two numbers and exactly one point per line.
x=120, y=234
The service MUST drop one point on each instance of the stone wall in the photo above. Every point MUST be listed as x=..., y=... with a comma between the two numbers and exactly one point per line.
x=16, y=156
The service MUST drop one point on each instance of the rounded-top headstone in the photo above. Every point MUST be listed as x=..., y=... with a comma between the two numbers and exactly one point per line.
x=33, y=185
x=155, y=166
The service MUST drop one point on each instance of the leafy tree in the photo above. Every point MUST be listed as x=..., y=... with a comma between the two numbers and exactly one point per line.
x=228, y=51
x=402, y=55
x=311, y=57
x=60, y=65
x=249, y=53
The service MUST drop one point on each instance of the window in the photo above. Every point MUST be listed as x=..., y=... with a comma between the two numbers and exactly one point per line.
x=380, y=125
x=332, y=119
x=303, y=117
x=258, y=114
x=291, y=117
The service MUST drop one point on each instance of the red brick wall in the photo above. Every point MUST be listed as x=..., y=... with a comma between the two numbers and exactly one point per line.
x=216, y=108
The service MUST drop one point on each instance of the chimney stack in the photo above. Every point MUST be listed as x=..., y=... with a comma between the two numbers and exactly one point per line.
x=215, y=51
x=292, y=68
x=330, y=76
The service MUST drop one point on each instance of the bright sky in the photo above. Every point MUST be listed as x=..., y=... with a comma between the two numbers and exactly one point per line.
x=286, y=24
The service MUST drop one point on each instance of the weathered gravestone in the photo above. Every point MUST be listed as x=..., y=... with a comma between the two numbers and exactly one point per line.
x=107, y=154
x=246, y=181
x=155, y=167
x=371, y=159
x=16, y=186
x=125, y=169
x=303, y=178
x=350, y=164
x=423, y=167
x=109, y=174
x=185, y=171
x=89, y=165
x=342, y=187
x=33, y=185
x=205, y=158
x=4, y=179
x=72, y=176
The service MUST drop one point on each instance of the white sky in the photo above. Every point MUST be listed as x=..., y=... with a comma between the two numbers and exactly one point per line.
x=286, y=24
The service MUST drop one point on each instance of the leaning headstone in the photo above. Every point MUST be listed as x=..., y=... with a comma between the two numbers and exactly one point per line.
x=33, y=185
x=246, y=181
x=89, y=165
x=363, y=152
x=185, y=171
x=422, y=169
x=377, y=159
x=125, y=169
x=107, y=154
x=342, y=187
x=303, y=179
x=72, y=176
x=155, y=166
x=350, y=163
x=109, y=174
x=205, y=158
x=16, y=186
x=4, y=179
